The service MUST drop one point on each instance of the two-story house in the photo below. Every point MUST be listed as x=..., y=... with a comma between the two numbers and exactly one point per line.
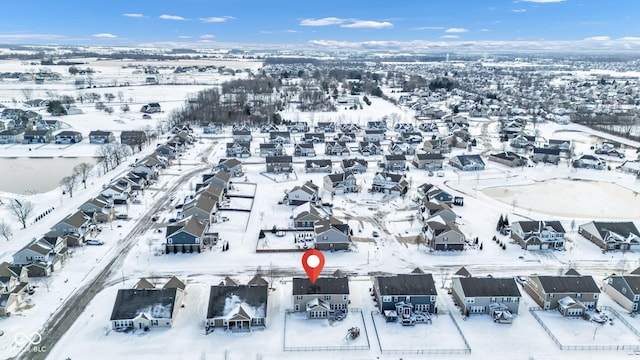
x=388, y=183
x=332, y=235
x=424, y=161
x=232, y=166
x=374, y=135
x=188, y=236
x=509, y=158
x=203, y=207
x=336, y=148
x=306, y=215
x=321, y=299
x=101, y=137
x=486, y=295
x=304, y=149
x=395, y=162
x=367, y=148
x=68, y=137
x=538, y=234
x=238, y=149
x=340, y=183
x=406, y=293
x=298, y=195
x=551, y=292
x=279, y=164
x=444, y=235
x=624, y=290
x=313, y=138
x=270, y=149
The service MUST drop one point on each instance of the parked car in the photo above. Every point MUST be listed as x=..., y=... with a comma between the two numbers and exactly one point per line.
x=94, y=242
x=122, y=216
x=136, y=201
x=375, y=234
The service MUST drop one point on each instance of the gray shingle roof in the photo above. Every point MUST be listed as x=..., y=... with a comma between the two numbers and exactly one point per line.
x=132, y=302
x=406, y=284
x=489, y=287
x=322, y=286
x=253, y=295
x=568, y=284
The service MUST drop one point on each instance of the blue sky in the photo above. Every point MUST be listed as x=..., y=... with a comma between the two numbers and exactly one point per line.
x=219, y=22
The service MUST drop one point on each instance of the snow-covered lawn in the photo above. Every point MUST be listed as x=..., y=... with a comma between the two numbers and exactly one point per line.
x=576, y=332
x=302, y=334
x=441, y=336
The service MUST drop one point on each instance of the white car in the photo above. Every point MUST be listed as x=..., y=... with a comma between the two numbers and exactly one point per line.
x=94, y=242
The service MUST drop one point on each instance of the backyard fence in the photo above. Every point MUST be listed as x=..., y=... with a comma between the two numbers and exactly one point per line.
x=534, y=310
x=465, y=350
x=329, y=348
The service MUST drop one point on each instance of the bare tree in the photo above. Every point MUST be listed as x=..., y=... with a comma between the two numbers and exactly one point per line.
x=68, y=183
x=271, y=274
x=21, y=210
x=83, y=170
x=28, y=94
x=5, y=230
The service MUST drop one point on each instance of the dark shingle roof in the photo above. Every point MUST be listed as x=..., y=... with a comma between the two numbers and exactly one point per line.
x=406, y=284
x=253, y=295
x=488, y=287
x=621, y=228
x=323, y=286
x=536, y=226
x=132, y=302
x=568, y=284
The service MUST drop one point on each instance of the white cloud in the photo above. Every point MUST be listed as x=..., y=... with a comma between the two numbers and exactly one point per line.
x=172, y=17
x=428, y=28
x=450, y=37
x=207, y=36
x=543, y=1
x=367, y=24
x=456, y=30
x=216, y=19
x=184, y=37
x=629, y=38
x=104, y=36
x=518, y=10
x=598, y=38
x=322, y=22
x=279, y=31
x=485, y=30
x=133, y=15
x=205, y=41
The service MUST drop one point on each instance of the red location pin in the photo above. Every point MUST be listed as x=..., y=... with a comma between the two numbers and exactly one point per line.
x=313, y=262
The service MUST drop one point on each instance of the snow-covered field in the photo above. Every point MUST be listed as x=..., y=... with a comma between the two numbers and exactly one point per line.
x=542, y=192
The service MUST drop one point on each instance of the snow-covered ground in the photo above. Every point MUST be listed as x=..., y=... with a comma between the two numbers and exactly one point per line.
x=541, y=192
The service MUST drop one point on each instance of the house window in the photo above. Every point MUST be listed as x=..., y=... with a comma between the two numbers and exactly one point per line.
x=257, y=321
x=624, y=290
x=422, y=307
x=296, y=307
x=470, y=300
x=395, y=299
x=595, y=296
x=433, y=298
x=578, y=296
x=298, y=297
x=386, y=299
x=493, y=299
x=169, y=241
x=345, y=297
x=636, y=298
x=551, y=295
x=635, y=306
x=327, y=297
x=197, y=240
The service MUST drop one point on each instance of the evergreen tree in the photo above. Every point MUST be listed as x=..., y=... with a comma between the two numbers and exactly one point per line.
x=500, y=223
